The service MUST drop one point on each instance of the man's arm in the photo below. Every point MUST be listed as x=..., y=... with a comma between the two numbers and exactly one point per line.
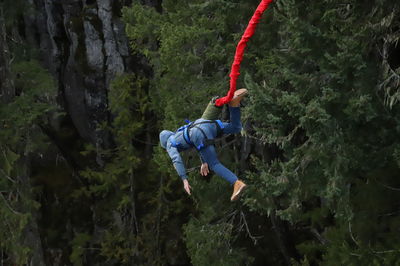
x=179, y=166
x=204, y=169
x=204, y=166
x=177, y=161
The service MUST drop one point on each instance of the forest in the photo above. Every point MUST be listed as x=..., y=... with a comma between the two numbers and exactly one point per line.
x=86, y=86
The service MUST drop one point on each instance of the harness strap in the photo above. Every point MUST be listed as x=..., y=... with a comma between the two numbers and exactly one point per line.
x=201, y=145
x=220, y=127
x=187, y=128
x=186, y=136
x=218, y=123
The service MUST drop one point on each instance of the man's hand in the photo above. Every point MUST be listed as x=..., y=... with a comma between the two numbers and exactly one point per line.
x=204, y=169
x=186, y=186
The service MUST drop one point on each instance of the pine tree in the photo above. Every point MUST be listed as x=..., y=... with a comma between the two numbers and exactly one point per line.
x=322, y=117
x=190, y=47
x=321, y=88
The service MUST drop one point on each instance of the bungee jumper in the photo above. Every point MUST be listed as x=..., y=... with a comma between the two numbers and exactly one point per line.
x=199, y=135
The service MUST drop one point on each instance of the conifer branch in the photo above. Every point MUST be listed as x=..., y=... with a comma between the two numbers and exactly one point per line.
x=132, y=190
x=321, y=239
x=244, y=221
x=352, y=236
x=387, y=186
x=7, y=176
x=144, y=142
x=389, y=214
x=382, y=251
x=9, y=206
x=158, y=223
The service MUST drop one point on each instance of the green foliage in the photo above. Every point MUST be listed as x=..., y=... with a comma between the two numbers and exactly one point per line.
x=78, y=246
x=128, y=108
x=321, y=126
x=190, y=46
x=20, y=136
x=129, y=104
x=210, y=244
x=34, y=102
x=113, y=184
x=117, y=246
x=130, y=183
x=13, y=219
x=314, y=96
x=12, y=10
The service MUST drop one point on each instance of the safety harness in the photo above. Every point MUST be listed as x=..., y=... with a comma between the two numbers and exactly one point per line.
x=189, y=126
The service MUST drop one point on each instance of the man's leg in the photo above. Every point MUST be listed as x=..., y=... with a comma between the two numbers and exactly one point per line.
x=209, y=155
x=212, y=111
x=234, y=125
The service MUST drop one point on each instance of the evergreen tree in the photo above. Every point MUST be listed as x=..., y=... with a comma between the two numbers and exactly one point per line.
x=321, y=85
x=321, y=88
x=190, y=47
x=319, y=148
x=27, y=96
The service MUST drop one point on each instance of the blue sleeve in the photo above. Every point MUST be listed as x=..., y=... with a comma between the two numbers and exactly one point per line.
x=201, y=158
x=176, y=160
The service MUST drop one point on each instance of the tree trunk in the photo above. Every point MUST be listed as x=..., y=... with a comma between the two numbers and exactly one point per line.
x=279, y=238
x=7, y=91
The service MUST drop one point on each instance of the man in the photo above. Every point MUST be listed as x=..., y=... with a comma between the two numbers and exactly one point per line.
x=198, y=135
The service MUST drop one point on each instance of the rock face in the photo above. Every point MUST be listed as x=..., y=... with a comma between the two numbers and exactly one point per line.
x=85, y=47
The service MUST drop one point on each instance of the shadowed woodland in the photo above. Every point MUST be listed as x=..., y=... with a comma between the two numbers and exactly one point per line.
x=86, y=87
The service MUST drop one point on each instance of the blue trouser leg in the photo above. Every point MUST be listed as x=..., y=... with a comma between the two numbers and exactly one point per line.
x=209, y=156
x=234, y=125
x=208, y=153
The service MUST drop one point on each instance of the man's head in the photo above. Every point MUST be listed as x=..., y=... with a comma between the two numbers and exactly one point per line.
x=164, y=136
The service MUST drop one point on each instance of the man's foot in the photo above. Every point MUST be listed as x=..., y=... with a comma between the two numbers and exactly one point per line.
x=238, y=96
x=238, y=187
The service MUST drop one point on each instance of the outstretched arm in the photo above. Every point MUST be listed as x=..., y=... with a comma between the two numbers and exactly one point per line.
x=186, y=186
x=177, y=161
x=179, y=166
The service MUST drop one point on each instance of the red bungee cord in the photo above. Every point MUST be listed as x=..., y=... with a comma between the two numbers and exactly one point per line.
x=251, y=28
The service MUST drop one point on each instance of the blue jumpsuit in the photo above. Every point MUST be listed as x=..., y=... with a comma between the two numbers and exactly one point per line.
x=207, y=153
